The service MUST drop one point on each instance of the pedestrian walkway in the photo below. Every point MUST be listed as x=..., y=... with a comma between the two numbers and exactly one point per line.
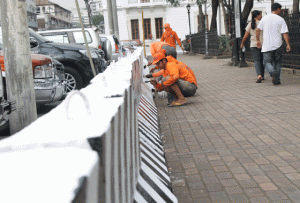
x=236, y=140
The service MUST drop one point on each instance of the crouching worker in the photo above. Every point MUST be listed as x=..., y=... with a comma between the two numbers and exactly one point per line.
x=177, y=81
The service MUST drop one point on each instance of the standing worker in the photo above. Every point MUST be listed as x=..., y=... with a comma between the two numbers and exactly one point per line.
x=273, y=26
x=170, y=36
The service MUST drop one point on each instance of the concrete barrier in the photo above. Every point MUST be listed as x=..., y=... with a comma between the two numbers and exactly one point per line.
x=113, y=117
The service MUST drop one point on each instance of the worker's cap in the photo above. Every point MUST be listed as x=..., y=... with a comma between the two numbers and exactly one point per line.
x=159, y=56
x=166, y=25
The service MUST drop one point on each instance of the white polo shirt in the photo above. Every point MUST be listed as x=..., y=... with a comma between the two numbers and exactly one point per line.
x=272, y=26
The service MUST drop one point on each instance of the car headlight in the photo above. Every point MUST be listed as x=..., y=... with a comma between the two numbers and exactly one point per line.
x=94, y=55
x=44, y=71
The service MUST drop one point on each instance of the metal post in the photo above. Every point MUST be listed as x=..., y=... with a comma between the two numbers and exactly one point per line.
x=143, y=34
x=242, y=62
x=115, y=18
x=236, y=12
x=189, y=21
x=85, y=40
x=18, y=64
x=206, y=56
x=110, y=17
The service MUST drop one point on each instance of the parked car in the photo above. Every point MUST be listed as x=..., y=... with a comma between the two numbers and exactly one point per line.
x=75, y=36
x=78, y=71
x=49, y=84
x=112, y=42
x=129, y=45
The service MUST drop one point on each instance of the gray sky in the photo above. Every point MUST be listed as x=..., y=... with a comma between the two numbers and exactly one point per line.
x=68, y=3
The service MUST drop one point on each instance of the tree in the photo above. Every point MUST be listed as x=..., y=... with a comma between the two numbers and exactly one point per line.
x=201, y=17
x=295, y=6
x=98, y=19
x=245, y=13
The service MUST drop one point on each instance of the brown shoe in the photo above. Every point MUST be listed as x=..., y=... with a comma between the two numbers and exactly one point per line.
x=258, y=80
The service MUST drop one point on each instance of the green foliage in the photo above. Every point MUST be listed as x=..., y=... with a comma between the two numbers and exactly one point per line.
x=176, y=3
x=224, y=44
x=97, y=19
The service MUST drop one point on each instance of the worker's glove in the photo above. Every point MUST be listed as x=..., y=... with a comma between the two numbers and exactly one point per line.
x=148, y=76
x=182, y=48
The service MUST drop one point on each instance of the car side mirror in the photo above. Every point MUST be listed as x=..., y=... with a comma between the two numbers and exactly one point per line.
x=33, y=42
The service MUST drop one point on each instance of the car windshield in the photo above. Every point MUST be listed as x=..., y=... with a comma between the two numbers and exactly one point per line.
x=38, y=36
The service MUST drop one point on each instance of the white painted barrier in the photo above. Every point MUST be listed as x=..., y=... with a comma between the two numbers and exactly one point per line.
x=106, y=117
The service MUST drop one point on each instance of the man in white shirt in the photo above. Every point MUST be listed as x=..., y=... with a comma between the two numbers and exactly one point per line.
x=273, y=26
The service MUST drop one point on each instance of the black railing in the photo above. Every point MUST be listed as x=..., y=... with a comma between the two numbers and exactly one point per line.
x=216, y=47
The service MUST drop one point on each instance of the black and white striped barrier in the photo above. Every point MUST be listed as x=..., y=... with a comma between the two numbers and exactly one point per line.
x=154, y=183
x=55, y=160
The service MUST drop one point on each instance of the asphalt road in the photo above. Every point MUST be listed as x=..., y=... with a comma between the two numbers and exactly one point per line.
x=40, y=112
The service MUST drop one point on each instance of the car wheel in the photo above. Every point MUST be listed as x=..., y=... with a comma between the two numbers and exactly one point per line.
x=73, y=79
x=103, y=66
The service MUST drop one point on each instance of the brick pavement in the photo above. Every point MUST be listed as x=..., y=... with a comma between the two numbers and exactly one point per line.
x=236, y=140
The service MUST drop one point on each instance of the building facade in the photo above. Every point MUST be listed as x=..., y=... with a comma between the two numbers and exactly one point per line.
x=31, y=14
x=52, y=16
x=158, y=12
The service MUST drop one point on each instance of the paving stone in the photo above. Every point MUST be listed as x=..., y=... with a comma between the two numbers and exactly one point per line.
x=293, y=176
x=228, y=182
x=193, y=178
x=240, y=177
x=233, y=190
x=196, y=185
x=261, y=179
x=201, y=200
x=219, y=196
x=259, y=200
x=212, y=187
x=254, y=192
x=276, y=195
x=281, y=201
x=287, y=169
x=268, y=186
x=238, y=198
x=224, y=175
x=199, y=193
x=248, y=183
x=178, y=183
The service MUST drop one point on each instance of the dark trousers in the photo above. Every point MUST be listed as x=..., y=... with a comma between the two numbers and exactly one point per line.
x=258, y=61
x=273, y=62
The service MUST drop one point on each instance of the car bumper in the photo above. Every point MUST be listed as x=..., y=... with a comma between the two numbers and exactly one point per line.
x=48, y=90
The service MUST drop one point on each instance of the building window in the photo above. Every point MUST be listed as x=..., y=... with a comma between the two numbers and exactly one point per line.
x=145, y=1
x=43, y=9
x=159, y=27
x=135, y=29
x=147, y=28
x=38, y=10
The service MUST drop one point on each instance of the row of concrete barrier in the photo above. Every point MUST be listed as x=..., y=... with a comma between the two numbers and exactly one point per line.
x=101, y=144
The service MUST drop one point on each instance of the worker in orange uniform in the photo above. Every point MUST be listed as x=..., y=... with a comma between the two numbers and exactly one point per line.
x=171, y=59
x=177, y=81
x=158, y=46
x=170, y=36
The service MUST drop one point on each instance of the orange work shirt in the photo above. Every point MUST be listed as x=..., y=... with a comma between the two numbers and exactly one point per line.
x=171, y=38
x=156, y=47
x=181, y=64
x=175, y=72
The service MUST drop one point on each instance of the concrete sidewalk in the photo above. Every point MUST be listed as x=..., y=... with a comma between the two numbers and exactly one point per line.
x=236, y=140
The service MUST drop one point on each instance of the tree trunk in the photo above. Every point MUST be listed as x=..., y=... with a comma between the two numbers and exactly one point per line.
x=246, y=11
x=213, y=22
x=295, y=6
x=225, y=19
x=201, y=18
x=272, y=2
